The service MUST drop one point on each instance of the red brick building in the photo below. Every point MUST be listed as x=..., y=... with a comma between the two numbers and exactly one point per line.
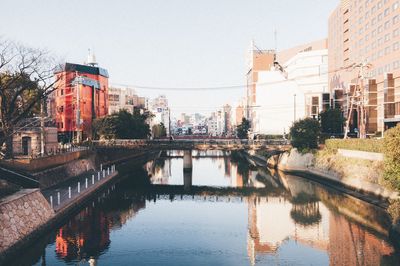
x=80, y=97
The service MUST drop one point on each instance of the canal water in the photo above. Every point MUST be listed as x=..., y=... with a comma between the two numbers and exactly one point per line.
x=223, y=212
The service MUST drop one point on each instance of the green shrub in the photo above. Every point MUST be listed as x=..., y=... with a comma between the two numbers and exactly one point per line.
x=369, y=145
x=391, y=145
x=304, y=134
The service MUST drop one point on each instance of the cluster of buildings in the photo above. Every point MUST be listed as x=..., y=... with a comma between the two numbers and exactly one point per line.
x=83, y=94
x=356, y=69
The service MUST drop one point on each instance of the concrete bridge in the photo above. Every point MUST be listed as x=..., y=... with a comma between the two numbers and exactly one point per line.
x=192, y=143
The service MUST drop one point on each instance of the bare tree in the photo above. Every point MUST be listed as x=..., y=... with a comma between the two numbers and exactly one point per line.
x=26, y=79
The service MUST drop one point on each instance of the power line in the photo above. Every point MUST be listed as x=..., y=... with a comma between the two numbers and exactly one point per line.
x=229, y=87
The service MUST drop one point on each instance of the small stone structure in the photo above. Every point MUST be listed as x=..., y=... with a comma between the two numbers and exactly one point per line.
x=27, y=141
x=21, y=214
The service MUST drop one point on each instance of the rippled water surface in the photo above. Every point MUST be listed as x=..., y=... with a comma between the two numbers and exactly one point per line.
x=223, y=212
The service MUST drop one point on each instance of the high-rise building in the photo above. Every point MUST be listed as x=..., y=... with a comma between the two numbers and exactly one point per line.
x=364, y=45
x=81, y=95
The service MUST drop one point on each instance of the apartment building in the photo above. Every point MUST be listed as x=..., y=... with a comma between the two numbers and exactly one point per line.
x=123, y=98
x=81, y=95
x=364, y=54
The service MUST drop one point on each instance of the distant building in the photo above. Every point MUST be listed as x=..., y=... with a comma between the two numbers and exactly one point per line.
x=366, y=32
x=80, y=97
x=159, y=108
x=257, y=60
x=124, y=98
x=298, y=90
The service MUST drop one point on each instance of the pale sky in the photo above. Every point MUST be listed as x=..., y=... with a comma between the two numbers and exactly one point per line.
x=167, y=43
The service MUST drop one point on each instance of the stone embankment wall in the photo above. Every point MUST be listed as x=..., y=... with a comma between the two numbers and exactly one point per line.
x=56, y=175
x=21, y=214
x=356, y=176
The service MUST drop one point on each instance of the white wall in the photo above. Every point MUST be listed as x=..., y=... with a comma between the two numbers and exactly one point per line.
x=306, y=76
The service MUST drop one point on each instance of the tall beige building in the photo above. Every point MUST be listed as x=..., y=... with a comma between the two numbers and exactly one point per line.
x=366, y=32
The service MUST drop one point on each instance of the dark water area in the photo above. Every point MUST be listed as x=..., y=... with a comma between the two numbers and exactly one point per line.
x=223, y=212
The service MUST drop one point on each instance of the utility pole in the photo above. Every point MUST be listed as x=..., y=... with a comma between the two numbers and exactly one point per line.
x=42, y=144
x=169, y=122
x=294, y=107
x=358, y=99
x=78, y=109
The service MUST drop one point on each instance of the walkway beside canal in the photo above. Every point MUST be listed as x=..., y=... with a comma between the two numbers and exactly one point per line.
x=63, y=195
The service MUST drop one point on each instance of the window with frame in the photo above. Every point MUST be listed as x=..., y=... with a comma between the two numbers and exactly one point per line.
x=395, y=19
x=387, y=37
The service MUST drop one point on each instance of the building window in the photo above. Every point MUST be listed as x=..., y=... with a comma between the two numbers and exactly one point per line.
x=387, y=24
x=396, y=46
x=395, y=5
x=387, y=37
x=396, y=32
x=395, y=19
x=395, y=64
x=380, y=29
x=379, y=4
x=386, y=12
x=380, y=41
x=373, y=9
x=373, y=33
x=62, y=92
x=373, y=21
x=387, y=50
x=380, y=53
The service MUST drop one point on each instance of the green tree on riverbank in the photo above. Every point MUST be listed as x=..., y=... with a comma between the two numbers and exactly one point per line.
x=304, y=134
x=122, y=125
x=242, y=130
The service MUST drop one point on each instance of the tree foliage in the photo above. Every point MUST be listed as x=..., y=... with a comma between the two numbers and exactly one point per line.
x=242, y=130
x=332, y=121
x=122, y=125
x=304, y=134
x=159, y=131
x=26, y=79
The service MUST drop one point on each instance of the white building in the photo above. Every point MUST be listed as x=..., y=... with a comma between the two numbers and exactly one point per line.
x=297, y=92
x=123, y=98
x=159, y=108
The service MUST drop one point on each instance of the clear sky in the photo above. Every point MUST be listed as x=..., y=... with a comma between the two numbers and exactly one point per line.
x=167, y=43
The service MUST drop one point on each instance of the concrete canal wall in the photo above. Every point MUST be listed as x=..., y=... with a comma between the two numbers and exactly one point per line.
x=21, y=214
x=355, y=177
x=36, y=216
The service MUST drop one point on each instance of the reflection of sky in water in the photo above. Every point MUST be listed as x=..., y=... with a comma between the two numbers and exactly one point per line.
x=298, y=225
x=209, y=172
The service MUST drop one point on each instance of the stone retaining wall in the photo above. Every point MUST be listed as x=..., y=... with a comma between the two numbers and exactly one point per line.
x=21, y=214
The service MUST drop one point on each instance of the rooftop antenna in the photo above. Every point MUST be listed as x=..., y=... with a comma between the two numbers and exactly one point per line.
x=275, y=44
x=91, y=59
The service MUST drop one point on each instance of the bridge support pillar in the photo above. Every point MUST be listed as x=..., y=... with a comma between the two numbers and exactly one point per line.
x=187, y=160
x=187, y=169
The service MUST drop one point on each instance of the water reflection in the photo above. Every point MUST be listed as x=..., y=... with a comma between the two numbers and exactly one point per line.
x=278, y=219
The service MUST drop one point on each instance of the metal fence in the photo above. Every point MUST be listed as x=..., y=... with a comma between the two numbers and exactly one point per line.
x=61, y=196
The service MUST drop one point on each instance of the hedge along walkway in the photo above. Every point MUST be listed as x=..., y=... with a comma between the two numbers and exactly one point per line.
x=368, y=145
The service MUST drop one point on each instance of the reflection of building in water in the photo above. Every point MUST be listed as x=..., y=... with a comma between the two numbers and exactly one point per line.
x=87, y=235
x=160, y=171
x=350, y=244
x=270, y=225
x=236, y=177
x=227, y=164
